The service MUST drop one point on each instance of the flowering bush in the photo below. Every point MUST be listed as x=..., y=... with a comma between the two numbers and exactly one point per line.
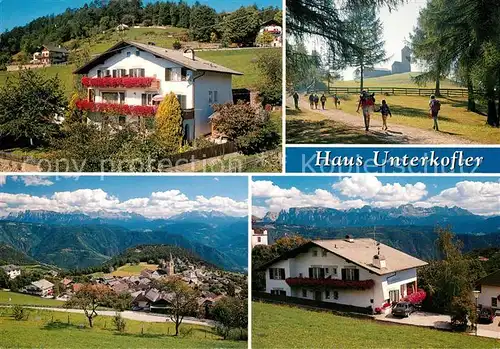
x=346, y=284
x=127, y=82
x=416, y=297
x=117, y=109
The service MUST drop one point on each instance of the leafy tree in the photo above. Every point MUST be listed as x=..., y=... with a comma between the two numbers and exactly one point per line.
x=183, y=10
x=28, y=106
x=168, y=123
x=4, y=279
x=270, y=67
x=119, y=322
x=19, y=313
x=104, y=23
x=128, y=20
x=230, y=313
x=265, y=39
x=450, y=281
x=183, y=301
x=203, y=19
x=278, y=17
x=365, y=32
x=241, y=26
x=73, y=114
x=88, y=298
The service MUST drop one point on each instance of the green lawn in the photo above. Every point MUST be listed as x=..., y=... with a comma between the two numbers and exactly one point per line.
x=414, y=111
x=45, y=329
x=133, y=269
x=19, y=298
x=396, y=80
x=276, y=326
x=239, y=60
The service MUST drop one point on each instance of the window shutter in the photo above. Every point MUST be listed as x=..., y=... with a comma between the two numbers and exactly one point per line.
x=131, y=72
x=143, y=72
x=168, y=74
x=356, y=274
x=344, y=274
x=271, y=273
x=143, y=99
x=321, y=273
x=282, y=274
x=311, y=273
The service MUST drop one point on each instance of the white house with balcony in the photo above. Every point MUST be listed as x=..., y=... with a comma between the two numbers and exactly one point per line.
x=274, y=28
x=489, y=291
x=132, y=78
x=259, y=237
x=356, y=272
x=13, y=271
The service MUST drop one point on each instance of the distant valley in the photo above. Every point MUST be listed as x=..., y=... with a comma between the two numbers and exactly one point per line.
x=78, y=240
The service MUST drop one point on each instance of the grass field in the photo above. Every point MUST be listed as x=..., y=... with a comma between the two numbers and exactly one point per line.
x=414, y=111
x=45, y=329
x=275, y=326
x=19, y=298
x=133, y=269
x=396, y=80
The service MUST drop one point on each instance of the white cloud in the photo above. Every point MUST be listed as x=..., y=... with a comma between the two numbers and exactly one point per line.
x=380, y=195
x=478, y=197
x=259, y=211
x=35, y=181
x=3, y=180
x=157, y=205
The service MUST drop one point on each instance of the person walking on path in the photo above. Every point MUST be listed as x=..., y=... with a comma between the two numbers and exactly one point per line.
x=386, y=111
x=296, y=100
x=316, y=101
x=336, y=100
x=366, y=102
x=311, y=100
x=323, y=101
x=435, y=107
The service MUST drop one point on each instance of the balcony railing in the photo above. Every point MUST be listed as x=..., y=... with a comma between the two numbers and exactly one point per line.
x=333, y=283
x=117, y=109
x=126, y=82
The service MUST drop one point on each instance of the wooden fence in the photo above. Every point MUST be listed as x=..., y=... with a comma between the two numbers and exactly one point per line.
x=203, y=153
x=405, y=91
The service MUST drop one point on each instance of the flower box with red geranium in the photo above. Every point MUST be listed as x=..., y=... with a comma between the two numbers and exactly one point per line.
x=117, y=109
x=127, y=82
x=333, y=283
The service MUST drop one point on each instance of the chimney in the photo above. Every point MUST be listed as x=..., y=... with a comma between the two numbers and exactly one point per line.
x=189, y=53
x=379, y=261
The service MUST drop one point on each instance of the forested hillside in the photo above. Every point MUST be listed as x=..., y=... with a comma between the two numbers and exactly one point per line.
x=72, y=27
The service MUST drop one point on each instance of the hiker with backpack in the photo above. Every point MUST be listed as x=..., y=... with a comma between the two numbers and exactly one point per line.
x=296, y=100
x=311, y=100
x=316, y=101
x=386, y=111
x=323, y=101
x=367, y=103
x=336, y=100
x=435, y=107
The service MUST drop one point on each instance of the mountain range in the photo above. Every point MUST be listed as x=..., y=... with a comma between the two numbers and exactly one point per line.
x=79, y=240
x=460, y=220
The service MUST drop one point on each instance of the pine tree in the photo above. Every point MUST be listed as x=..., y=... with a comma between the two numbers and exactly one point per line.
x=168, y=123
x=365, y=31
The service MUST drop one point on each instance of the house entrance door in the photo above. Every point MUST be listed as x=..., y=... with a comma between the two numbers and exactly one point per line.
x=317, y=295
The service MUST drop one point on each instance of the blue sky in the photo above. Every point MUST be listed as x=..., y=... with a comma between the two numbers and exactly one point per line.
x=13, y=14
x=480, y=195
x=153, y=196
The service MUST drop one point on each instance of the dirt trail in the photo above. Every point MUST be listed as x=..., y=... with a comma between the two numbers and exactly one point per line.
x=397, y=134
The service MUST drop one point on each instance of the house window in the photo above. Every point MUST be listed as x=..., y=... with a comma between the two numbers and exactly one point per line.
x=147, y=98
x=335, y=294
x=187, y=133
x=122, y=97
x=137, y=72
x=259, y=239
x=304, y=292
x=394, y=296
x=323, y=253
x=278, y=292
x=99, y=73
x=113, y=97
x=315, y=253
x=350, y=274
x=216, y=98
x=316, y=273
x=183, y=74
x=334, y=270
x=182, y=100
x=210, y=97
x=277, y=273
x=327, y=294
x=168, y=74
x=494, y=302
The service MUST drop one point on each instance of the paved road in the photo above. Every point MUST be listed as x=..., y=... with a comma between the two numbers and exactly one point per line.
x=398, y=134
x=420, y=318
x=134, y=315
